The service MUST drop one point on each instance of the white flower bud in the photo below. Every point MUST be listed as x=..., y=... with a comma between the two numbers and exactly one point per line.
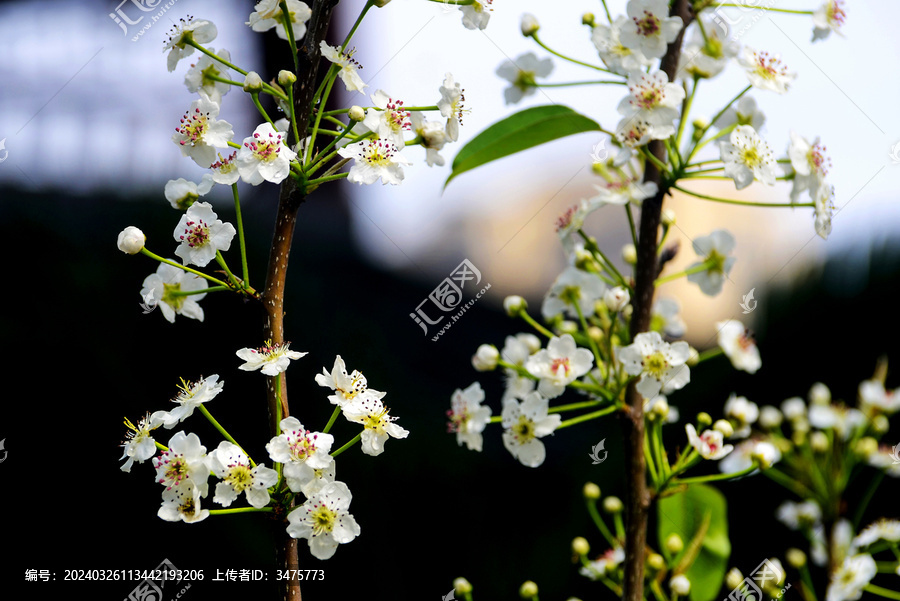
x=769, y=417
x=253, y=82
x=629, y=254
x=580, y=546
x=693, y=358
x=765, y=454
x=485, y=358
x=528, y=590
x=668, y=217
x=674, y=544
x=462, y=586
x=530, y=25
x=356, y=113
x=568, y=327
x=514, y=305
x=818, y=441
x=532, y=342
x=866, y=447
x=616, y=298
x=725, y=427
x=680, y=585
x=286, y=77
x=880, y=424
x=795, y=557
x=591, y=491
x=131, y=240
x=703, y=419
x=793, y=408
x=819, y=394
x=612, y=505
x=656, y=562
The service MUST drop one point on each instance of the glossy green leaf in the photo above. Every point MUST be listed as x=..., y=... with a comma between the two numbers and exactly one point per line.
x=688, y=514
x=521, y=131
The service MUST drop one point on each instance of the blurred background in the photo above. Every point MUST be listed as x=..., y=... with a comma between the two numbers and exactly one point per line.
x=86, y=116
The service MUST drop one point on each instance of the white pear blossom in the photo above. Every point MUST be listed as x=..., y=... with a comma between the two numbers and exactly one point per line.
x=824, y=209
x=665, y=318
x=302, y=452
x=623, y=191
x=568, y=224
x=182, y=193
x=830, y=16
x=374, y=160
x=708, y=50
x=680, y=585
x=603, y=565
x=809, y=163
x=200, y=31
x=741, y=458
x=573, y=286
x=745, y=112
x=139, y=444
x=714, y=249
x=451, y=105
x=313, y=480
x=516, y=350
x=131, y=240
x=770, y=417
x=799, y=516
x=747, y=157
x=886, y=459
x=225, y=170
x=794, y=409
x=522, y=73
x=765, y=71
x=633, y=132
x=199, y=76
x=184, y=463
x=349, y=68
x=739, y=345
x=710, y=444
x=468, y=416
x=742, y=414
x=199, y=133
x=232, y=465
x=851, y=577
x=653, y=100
x=477, y=14
x=391, y=121
x=190, y=396
x=651, y=28
x=558, y=365
x=614, y=54
x=377, y=424
x=348, y=388
x=525, y=423
x=182, y=503
x=201, y=234
x=267, y=14
x=165, y=289
x=874, y=397
x=616, y=298
x=271, y=359
x=884, y=529
x=433, y=137
x=661, y=365
x=844, y=421
x=324, y=520
x=264, y=156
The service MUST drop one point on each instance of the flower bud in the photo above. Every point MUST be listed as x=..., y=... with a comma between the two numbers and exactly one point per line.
x=485, y=358
x=596, y=334
x=667, y=217
x=733, y=578
x=514, y=305
x=380, y=3
x=253, y=83
x=680, y=585
x=528, y=590
x=531, y=342
x=818, y=441
x=880, y=424
x=770, y=417
x=462, y=586
x=580, y=546
x=674, y=544
x=568, y=327
x=819, y=394
x=616, y=298
x=725, y=427
x=866, y=447
x=356, y=113
x=795, y=558
x=704, y=419
x=131, y=240
x=693, y=357
x=612, y=505
x=656, y=562
x=286, y=77
x=764, y=454
x=591, y=491
x=587, y=19
x=629, y=254
x=530, y=25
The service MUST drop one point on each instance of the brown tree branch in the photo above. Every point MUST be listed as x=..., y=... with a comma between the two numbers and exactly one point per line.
x=637, y=497
x=290, y=198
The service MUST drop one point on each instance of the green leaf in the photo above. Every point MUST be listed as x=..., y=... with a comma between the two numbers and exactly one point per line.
x=526, y=129
x=688, y=514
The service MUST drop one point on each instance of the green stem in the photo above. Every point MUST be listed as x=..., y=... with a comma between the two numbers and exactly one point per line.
x=573, y=406
x=606, y=10
x=223, y=431
x=568, y=58
x=359, y=19
x=601, y=525
x=584, y=326
x=587, y=417
x=634, y=239
x=200, y=291
x=183, y=267
x=329, y=178
x=696, y=269
x=777, y=10
x=259, y=107
x=221, y=261
x=289, y=30
x=883, y=592
x=745, y=203
x=716, y=477
x=241, y=510
x=699, y=145
x=530, y=320
x=709, y=354
x=687, y=109
x=352, y=442
x=240, y=229
x=331, y=420
x=790, y=483
x=579, y=83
